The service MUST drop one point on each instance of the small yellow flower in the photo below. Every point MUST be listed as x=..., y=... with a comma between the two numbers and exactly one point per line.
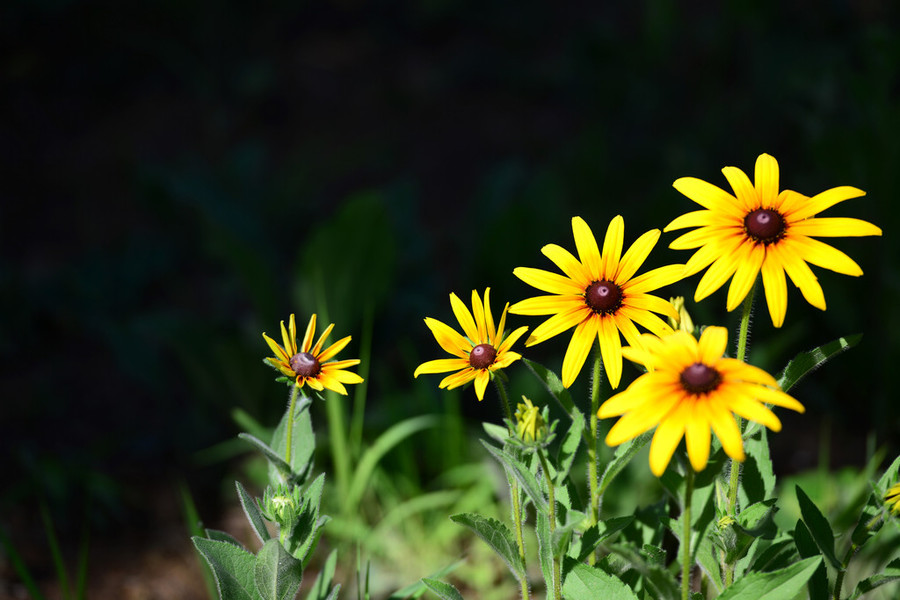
x=530, y=424
x=892, y=498
x=684, y=321
x=599, y=295
x=307, y=365
x=689, y=388
x=480, y=353
x=761, y=230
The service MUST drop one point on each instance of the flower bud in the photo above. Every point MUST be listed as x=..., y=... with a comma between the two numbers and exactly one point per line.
x=684, y=322
x=530, y=423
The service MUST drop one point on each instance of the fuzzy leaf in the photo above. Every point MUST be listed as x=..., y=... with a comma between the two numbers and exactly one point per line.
x=890, y=573
x=818, y=526
x=222, y=536
x=442, y=589
x=254, y=516
x=623, y=455
x=783, y=584
x=523, y=475
x=276, y=463
x=497, y=536
x=303, y=444
x=589, y=583
x=232, y=568
x=806, y=362
x=569, y=447
x=553, y=385
x=277, y=574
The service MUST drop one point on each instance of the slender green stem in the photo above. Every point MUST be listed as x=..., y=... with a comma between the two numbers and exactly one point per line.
x=735, y=474
x=557, y=585
x=851, y=552
x=514, y=488
x=594, y=447
x=290, y=424
x=686, y=535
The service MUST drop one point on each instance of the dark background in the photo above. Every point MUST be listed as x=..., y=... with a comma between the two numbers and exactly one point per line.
x=179, y=176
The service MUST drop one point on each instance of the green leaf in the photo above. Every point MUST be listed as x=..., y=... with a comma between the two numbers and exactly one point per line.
x=222, y=536
x=783, y=584
x=778, y=555
x=545, y=547
x=443, y=590
x=807, y=548
x=382, y=445
x=232, y=567
x=417, y=589
x=523, y=475
x=277, y=574
x=757, y=475
x=553, y=385
x=497, y=536
x=319, y=590
x=806, y=362
x=497, y=432
x=276, y=463
x=569, y=448
x=623, y=455
x=589, y=583
x=301, y=540
x=596, y=534
x=890, y=573
x=254, y=516
x=818, y=526
x=661, y=582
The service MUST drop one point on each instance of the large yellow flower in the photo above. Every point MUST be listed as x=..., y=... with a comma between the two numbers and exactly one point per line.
x=760, y=229
x=307, y=365
x=481, y=352
x=688, y=389
x=599, y=296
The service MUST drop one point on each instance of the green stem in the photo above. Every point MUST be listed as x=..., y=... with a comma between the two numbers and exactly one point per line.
x=851, y=552
x=686, y=535
x=514, y=488
x=594, y=446
x=735, y=474
x=290, y=424
x=557, y=585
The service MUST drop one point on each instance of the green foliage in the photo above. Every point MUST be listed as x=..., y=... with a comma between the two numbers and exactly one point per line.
x=588, y=583
x=783, y=584
x=496, y=535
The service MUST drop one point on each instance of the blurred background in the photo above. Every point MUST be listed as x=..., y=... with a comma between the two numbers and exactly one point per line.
x=180, y=176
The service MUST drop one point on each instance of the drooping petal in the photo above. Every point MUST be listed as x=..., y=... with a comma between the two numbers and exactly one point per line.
x=482, y=377
x=775, y=287
x=697, y=436
x=800, y=274
x=825, y=256
x=665, y=441
x=726, y=429
x=611, y=350
x=579, y=347
x=749, y=259
x=330, y=382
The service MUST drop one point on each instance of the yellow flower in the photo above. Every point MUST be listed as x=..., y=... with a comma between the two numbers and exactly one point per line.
x=307, y=365
x=481, y=352
x=530, y=425
x=892, y=498
x=690, y=388
x=760, y=229
x=599, y=295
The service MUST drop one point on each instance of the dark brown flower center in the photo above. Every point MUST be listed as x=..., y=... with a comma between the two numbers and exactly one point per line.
x=700, y=379
x=305, y=364
x=603, y=297
x=764, y=225
x=482, y=356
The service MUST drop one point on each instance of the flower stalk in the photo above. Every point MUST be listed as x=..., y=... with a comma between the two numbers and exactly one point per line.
x=551, y=515
x=686, y=534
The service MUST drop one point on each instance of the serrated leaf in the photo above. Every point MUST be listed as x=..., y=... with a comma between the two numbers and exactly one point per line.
x=319, y=590
x=589, y=583
x=806, y=362
x=232, y=568
x=497, y=536
x=890, y=574
x=783, y=584
x=523, y=475
x=442, y=589
x=277, y=574
x=553, y=384
x=254, y=516
x=818, y=526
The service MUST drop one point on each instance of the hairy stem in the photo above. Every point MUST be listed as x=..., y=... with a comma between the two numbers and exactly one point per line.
x=290, y=424
x=686, y=535
x=557, y=584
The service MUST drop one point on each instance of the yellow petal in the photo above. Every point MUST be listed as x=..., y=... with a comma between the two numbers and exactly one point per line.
x=766, y=179
x=646, y=320
x=547, y=305
x=292, y=332
x=648, y=302
x=635, y=256
x=747, y=407
x=700, y=218
x=465, y=318
x=308, y=336
x=276, y=349
x=834, y=227
x=703, y=236
x=825, y=256
x=512, y=339
x=665, y=441
x=579, y=347
x=716, y=276
x=726, y=429
x=586, y=244
x=448, y=338
x=333, y=349
x=823, y=201
x=697, y=436
x=567, y=263
x=775, y=286
x=799, y=272
x=441, y=365
x=743, y=189
x=547, y=281
x=712, y=344
x=457, y=379
x=558, y=323
x=612, y=248
x=749, y=259
x=482, y=377
x=489, y=318
x=321, y=342
x=330, y=382
x=480, y=325
x=709, y=196
x=655, y=279
x=611, y=350
x=771, y=396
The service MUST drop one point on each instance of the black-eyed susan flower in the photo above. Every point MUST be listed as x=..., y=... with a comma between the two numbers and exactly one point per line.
x=688, y=389
x=480, y=352
x=599, y=295
x=308, y=364
x=892, y=498
x=760, y=229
